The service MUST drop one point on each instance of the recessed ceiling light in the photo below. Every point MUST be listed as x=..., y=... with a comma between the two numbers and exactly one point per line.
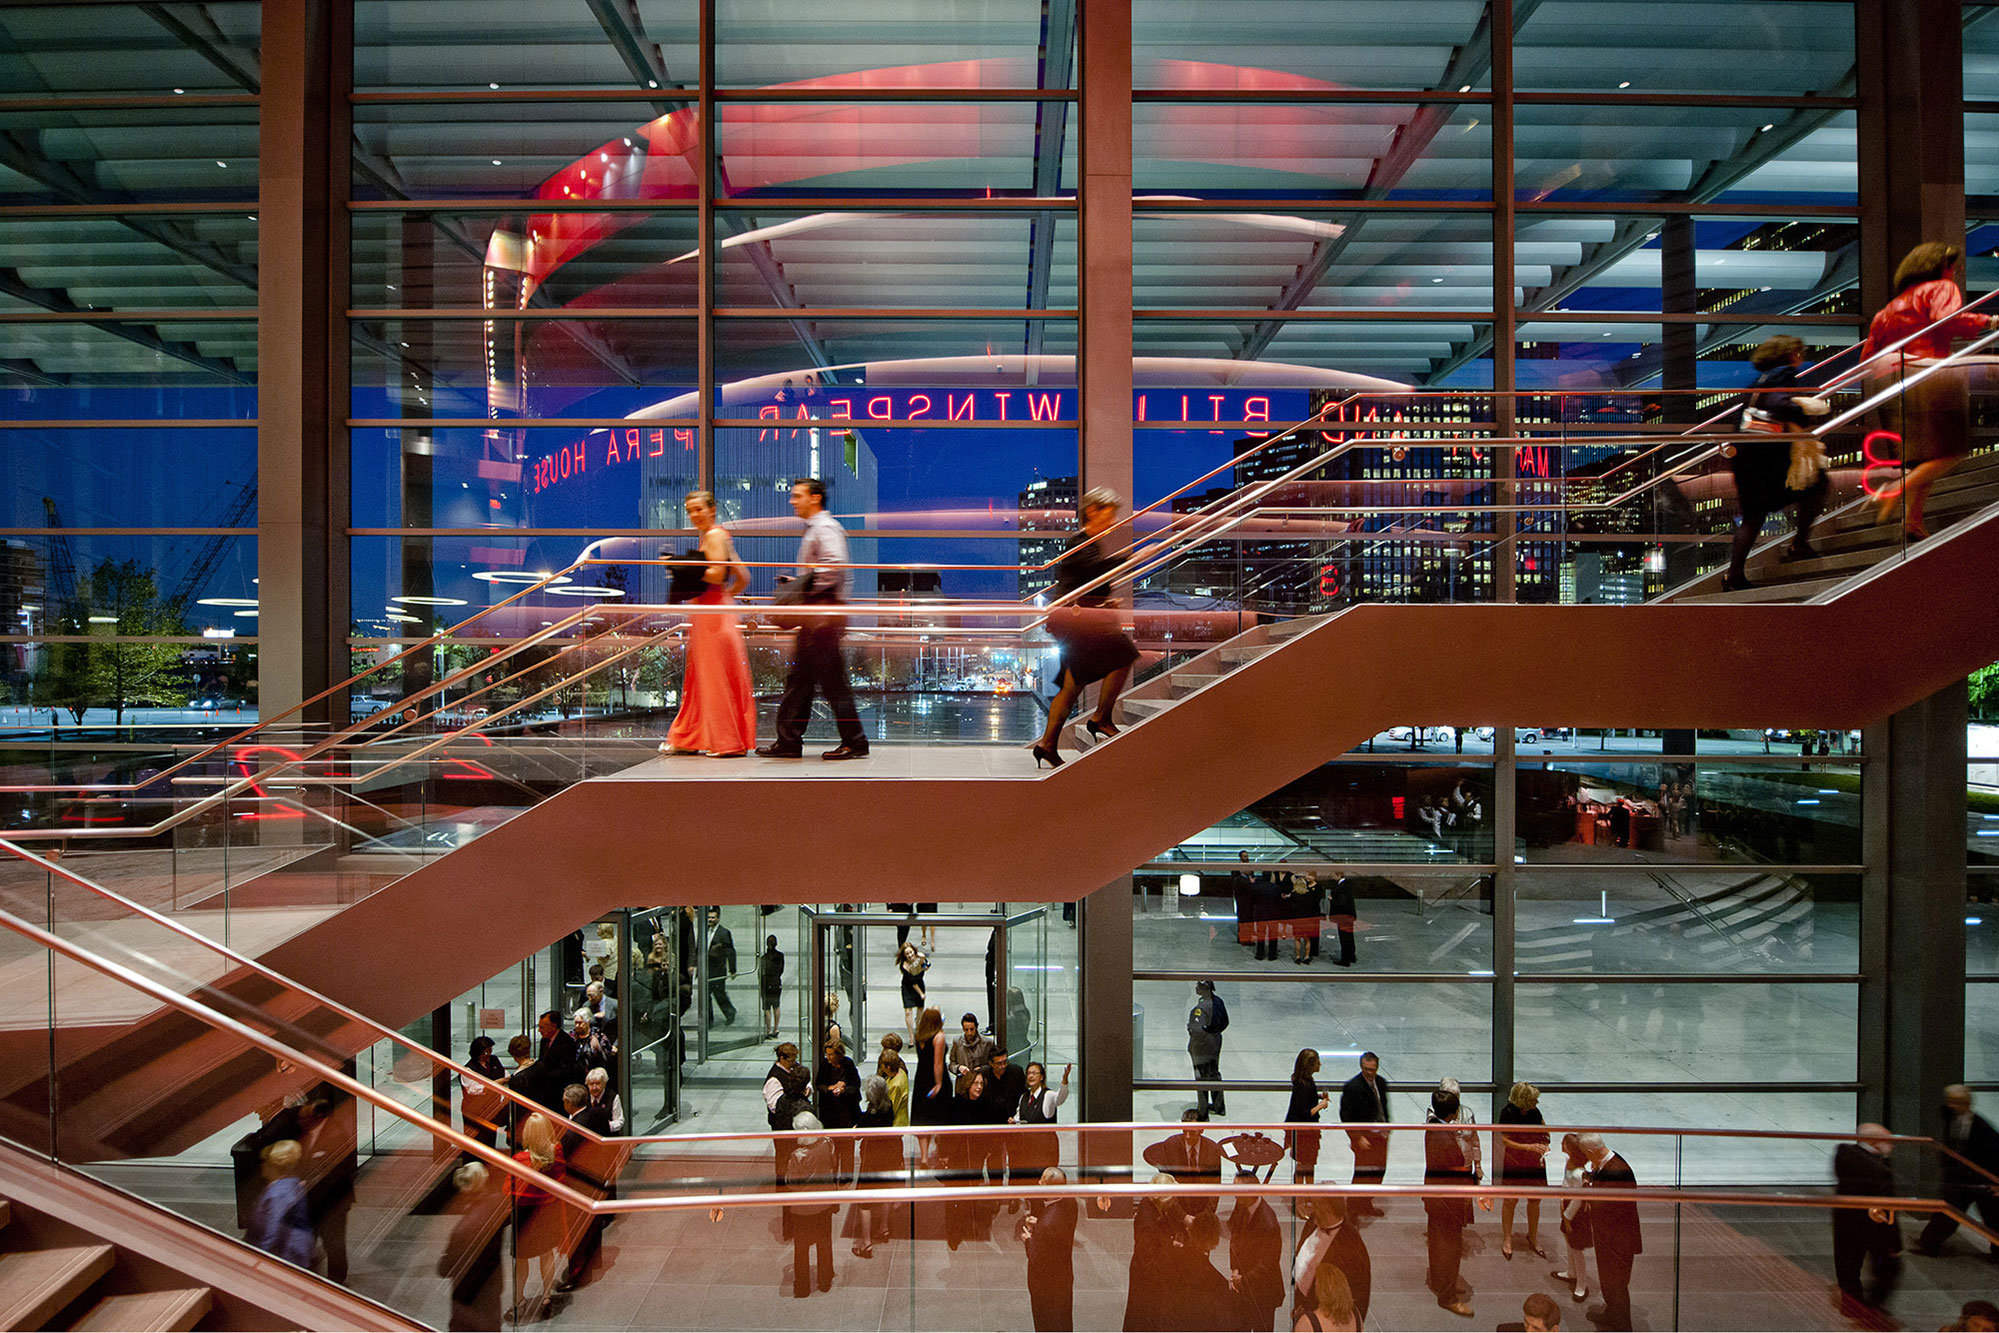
x=406, y=619
x=429, y=601
x=1465, y=89
x=1436, y=280
x=252, y=613
x=180, y=90
x=1769, y=127
x=104, y=620
x=498, y=163
x=1625, y=84
x=220, y=163
x=226, y=601
x=586, y=592
x=494, y=86
x=516, y=576
x=652, y=83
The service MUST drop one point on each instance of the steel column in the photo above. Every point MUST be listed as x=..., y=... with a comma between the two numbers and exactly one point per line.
x=304, y=135
x=1104, y=1001
x=1103, y=365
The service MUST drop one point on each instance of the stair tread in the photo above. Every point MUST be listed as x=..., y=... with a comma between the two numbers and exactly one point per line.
x=35, y=1284
x=154, y=1311
x=1796, y=591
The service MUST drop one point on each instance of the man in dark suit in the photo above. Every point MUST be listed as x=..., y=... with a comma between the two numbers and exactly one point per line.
x=1191, y=1158
x=593, y=1168
x=1333, y=1240
x=1863, y=1234
x=1049, y=1233
x=1614, y=1230
x=1256, y=1256
x=721, y=966
x=1364, y=1100
x=1965, y=1185
x=557, y=1063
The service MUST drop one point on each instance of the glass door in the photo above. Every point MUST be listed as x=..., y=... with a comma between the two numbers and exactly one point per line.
x=658, y=996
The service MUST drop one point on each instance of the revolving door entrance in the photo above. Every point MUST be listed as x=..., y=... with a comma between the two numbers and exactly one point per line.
x=992, y=965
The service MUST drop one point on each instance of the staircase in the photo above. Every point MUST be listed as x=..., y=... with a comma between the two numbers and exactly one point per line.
x=1213, y=735
x=77, y=1254
x=1849, y=541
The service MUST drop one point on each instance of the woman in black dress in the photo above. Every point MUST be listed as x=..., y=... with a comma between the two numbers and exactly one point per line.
x=911, y=962
x=1523, y=1160
x=770, y=984
x=929, y=1099
x=839, y=1085
x=1087, y=626
x=1306, y=1103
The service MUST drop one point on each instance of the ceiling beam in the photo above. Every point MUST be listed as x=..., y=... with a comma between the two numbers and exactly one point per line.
x=621, y=23
x=1469, y=64
x=12, y=284
x=192, y=26
x=1056, y=62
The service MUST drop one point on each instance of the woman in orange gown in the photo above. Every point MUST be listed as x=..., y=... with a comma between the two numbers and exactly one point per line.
x=718, y=711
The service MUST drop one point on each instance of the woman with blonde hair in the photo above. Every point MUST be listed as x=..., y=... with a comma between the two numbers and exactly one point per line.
x=718, y=709
x=1523, y=1160
x=539, y=1221
x=1332, y=1308
x=1936, y=412
x=1087, y=626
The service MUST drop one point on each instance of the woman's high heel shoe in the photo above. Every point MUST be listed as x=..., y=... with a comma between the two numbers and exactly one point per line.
x=1045, y=754
x=1102, y=731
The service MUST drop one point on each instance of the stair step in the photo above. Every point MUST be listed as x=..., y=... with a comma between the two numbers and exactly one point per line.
x=1144, y=707
x=1825, y=563
x=6, y=1214
x=1286, y=628
x=1802, y=590
x=151, y=1311
x=1187, y=683
x=1247, y=653
x=36, y=1284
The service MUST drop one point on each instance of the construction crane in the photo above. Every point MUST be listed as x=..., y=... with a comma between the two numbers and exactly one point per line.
x=62, y=570
x=210, y=554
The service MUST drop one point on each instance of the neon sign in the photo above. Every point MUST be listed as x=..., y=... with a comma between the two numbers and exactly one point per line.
x=1872, y=462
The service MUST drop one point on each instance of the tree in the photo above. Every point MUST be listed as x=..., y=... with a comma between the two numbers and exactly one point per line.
x=1984, y=688
x=117, y=603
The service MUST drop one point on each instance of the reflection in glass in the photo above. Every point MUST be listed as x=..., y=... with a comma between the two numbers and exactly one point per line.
x=1613, y=812
x=1687, y=920
x=1783, y=1032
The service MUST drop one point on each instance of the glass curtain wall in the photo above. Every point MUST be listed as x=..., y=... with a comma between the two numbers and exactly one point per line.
x=128, y=350
x=705, y=244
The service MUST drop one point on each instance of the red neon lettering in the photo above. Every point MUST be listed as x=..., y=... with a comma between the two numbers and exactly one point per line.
x=565, y=462
x=914, y=410
x=1256, y=409
x=1041, y=406
x=684, y=437
x=1002, y=397
x=767, y=410
x=1215, y=405
x=1141, y=407
x=658, y=439
x=951, y=411
x=611, y=451
x=846, y=406
x=887, y=407
x=1872, y=462
x=1183, y=407
x=579, y=455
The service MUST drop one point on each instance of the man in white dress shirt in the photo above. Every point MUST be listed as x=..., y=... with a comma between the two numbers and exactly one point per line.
x=817, y=664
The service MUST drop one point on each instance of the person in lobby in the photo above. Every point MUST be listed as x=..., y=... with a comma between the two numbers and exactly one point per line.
x=1086, y=626
x=1364, y=1100
x=1256, y=1254
x=1863, y=1237
x=1614, y=1230
x=1450, y=1158
x=1206, y=1022
x=1049, y=1233
x=1158, y=1244
x=718, y=707
x=787, y=1090
x=1307, y=1102
x=880, y=1159
x=818, y=666
x=721, y=966
x=1523, y=1160
x=1038, y=1106
x=971, y=1053
x=1575, y=1219
x=1538, y=1314
x=811, y=1168
x=1333, y=1242
x=930, y=1091
x=1966, y=1183
x=770, y=985
x=1191, y=1158
x=1935, y=414
x=839, y=1085
x=1781, y=416
x=911, y=963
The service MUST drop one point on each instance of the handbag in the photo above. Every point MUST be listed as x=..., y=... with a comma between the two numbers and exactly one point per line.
x=1808, y=462
x=688, y=581
x=790, y=592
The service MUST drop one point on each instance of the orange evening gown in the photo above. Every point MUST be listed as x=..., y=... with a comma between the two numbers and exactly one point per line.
x=718, y=711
